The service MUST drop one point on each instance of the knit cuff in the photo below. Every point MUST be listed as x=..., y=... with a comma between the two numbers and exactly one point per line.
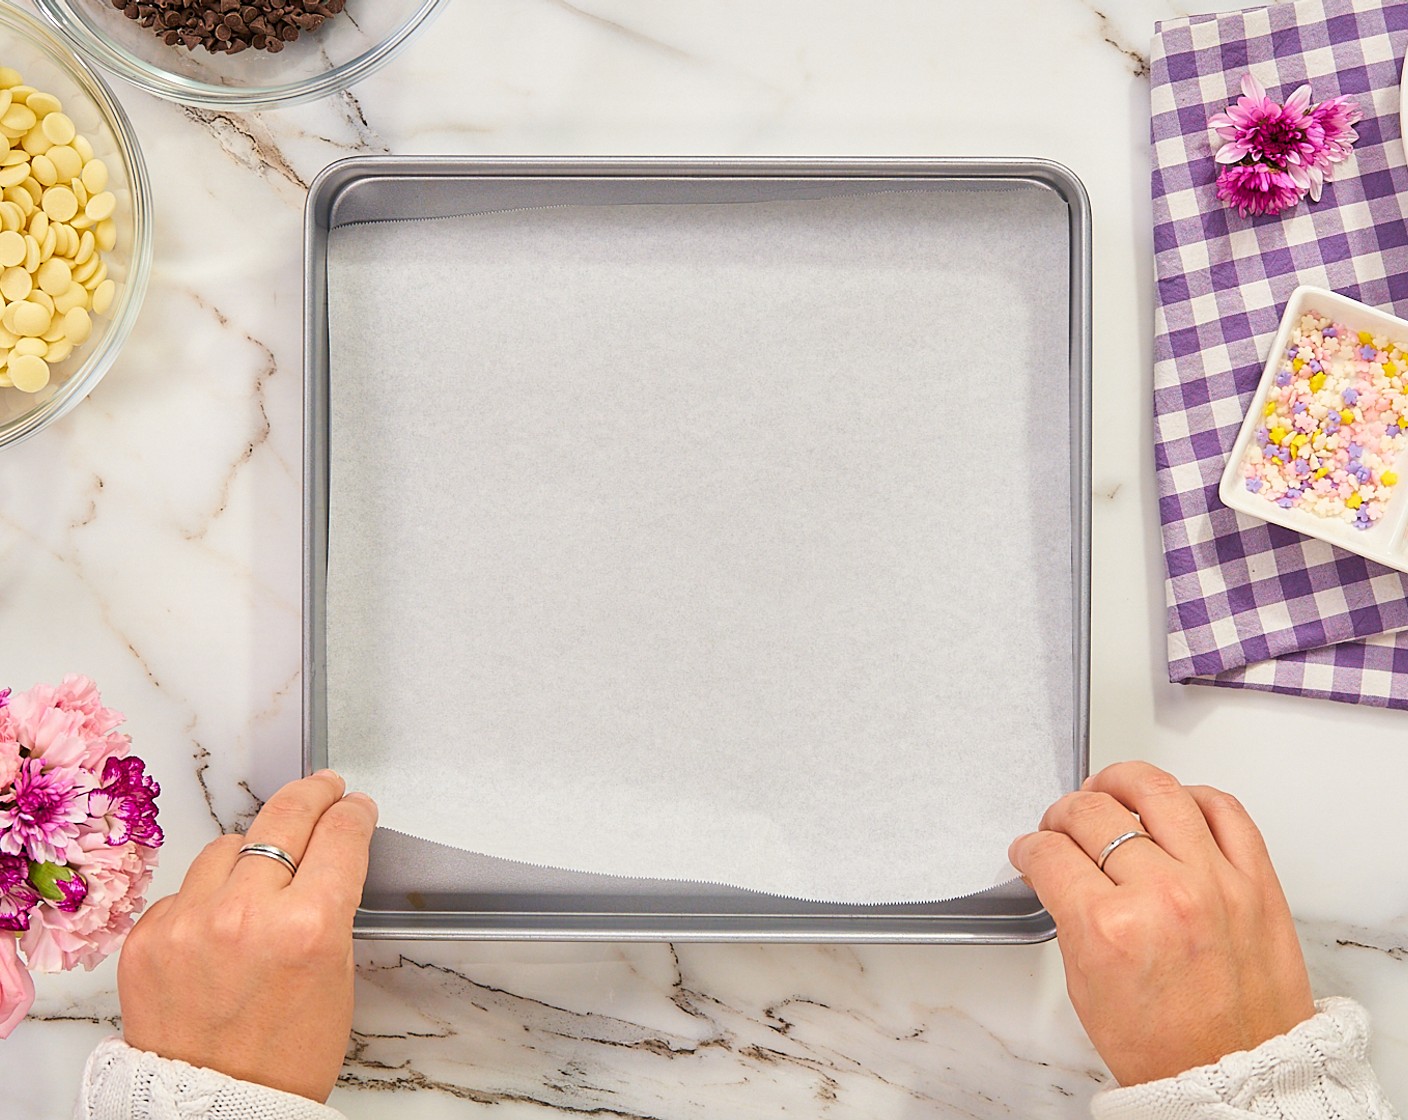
x=121, y=1083
x=1319, y=1068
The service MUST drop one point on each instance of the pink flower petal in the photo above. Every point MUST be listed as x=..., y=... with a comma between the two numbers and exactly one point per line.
x=117, y=880
x=16, y=986
x=1257, y=188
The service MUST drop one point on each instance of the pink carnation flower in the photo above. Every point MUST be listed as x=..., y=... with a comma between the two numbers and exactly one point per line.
x=1255, y=188
x=47, y=732
x=117, y=881
x=125, y=807
x=79, y=694
x=48, y=718
x=73, y=889
x=17, y=896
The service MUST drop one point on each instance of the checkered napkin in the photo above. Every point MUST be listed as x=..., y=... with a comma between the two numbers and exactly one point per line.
x=1252, y=605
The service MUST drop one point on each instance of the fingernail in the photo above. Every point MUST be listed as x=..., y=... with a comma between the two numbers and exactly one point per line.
x=325, y=773
x=1090, y=781
x=358, y=795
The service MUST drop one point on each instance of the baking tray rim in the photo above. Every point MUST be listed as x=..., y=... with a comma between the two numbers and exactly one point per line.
x=1028, y=926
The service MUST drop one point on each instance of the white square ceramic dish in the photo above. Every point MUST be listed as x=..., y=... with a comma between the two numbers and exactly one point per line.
x=1385, y=542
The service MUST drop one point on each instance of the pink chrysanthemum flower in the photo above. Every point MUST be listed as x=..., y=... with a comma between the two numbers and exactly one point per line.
x=1257, y=128
x=1274, y=155
x=1336, y=117
x=1255, y=188
x=43, y=814
x=17, y=896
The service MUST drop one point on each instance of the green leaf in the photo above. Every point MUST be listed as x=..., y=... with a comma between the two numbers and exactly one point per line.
x=44, y=877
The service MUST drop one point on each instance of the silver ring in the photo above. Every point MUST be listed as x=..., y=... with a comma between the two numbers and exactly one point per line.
x=269, y=852
x=1124, y=837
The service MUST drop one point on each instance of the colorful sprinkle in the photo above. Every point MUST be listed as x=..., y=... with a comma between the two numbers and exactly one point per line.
x=1327, y=445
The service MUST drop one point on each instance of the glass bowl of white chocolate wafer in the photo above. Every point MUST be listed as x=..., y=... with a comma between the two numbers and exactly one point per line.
x=75, y=227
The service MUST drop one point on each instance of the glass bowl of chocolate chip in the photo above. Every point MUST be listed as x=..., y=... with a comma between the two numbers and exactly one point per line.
x=240, y=54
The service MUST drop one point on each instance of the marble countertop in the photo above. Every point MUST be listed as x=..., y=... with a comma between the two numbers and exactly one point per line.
x=151, y=540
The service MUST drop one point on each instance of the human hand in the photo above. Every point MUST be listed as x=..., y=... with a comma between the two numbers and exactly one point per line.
x=248, y=970
x=1183, y=949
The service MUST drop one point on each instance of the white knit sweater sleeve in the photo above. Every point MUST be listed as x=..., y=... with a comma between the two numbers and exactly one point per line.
x=1319, y=1070
x=120, y=1083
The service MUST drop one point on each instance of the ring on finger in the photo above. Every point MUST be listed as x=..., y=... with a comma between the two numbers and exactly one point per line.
x=1123, y=838
x=270, y=851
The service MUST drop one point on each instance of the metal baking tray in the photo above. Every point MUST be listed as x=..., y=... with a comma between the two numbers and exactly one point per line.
x=418, y=889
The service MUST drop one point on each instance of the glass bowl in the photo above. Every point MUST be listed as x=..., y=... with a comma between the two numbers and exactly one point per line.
x=46, y=63
x=344, y=50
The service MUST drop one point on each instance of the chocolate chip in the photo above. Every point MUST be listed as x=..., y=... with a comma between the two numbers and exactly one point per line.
x=230, y=26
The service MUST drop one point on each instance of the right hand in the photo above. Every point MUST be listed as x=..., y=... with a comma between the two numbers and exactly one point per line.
x=247, y=970
x=1183, y=949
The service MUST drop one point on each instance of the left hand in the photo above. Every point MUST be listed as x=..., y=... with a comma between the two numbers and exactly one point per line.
x=248, y=970
x=1182, y=950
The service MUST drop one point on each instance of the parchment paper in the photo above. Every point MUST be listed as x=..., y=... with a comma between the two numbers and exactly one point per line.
x=726, y=543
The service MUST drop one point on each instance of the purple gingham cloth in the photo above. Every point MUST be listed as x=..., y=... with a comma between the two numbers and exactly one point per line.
x=1252, y=605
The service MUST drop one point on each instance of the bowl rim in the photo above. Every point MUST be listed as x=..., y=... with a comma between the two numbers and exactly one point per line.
x=139, y=264
x=75, y=29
